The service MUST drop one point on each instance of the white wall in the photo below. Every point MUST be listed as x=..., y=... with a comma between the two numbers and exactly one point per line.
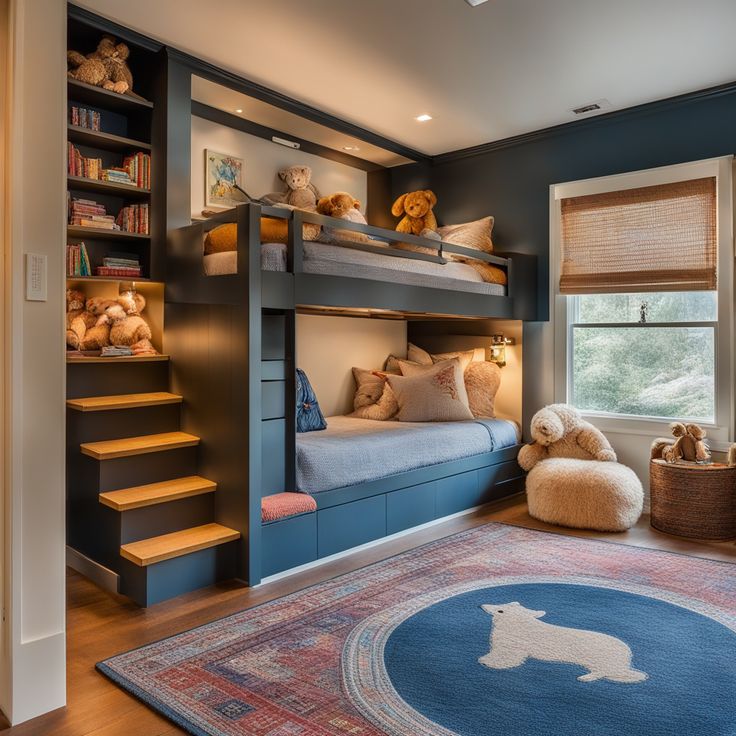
x=34, y=662
x=262, y=161
x=327, y=348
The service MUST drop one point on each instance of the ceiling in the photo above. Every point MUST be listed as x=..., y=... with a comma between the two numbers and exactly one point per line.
x=501, y=69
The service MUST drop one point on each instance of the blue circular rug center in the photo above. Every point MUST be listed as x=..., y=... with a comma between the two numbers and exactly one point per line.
x=654, y=668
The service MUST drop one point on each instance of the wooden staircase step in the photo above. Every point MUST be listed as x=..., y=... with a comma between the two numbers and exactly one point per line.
x=157, y=549
x=154, y=493
x=123, y=401
x=109, y=449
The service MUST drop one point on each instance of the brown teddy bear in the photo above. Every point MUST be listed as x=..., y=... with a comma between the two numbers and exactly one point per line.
x=688, y=444
x=128, y=328
x=345, y=207
x=299, y=193
x=98, y=336
x=78, y=319
x=105, y=67
x=558, y=431
x=416, y=208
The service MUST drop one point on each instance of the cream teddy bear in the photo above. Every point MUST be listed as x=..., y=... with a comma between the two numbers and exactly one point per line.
x=559, y=430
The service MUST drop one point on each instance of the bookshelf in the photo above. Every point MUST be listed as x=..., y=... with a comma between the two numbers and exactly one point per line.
x=108, y=132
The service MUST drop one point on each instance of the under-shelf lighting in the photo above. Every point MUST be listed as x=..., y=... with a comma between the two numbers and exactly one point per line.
x=498, y=349
x=239, y=110
x=423, y=118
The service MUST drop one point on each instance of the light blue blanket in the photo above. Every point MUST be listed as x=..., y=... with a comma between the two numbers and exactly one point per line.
x=352, y=451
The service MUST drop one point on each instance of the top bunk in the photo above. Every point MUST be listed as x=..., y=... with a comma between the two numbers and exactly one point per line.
x=298, y=259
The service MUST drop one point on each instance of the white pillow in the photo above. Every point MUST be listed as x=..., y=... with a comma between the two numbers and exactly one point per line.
x=418, y=355
x=459, y=364
x=432, y=395
x=482, y=381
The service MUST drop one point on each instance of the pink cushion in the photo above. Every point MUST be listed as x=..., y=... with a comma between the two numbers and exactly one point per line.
x=280, y=505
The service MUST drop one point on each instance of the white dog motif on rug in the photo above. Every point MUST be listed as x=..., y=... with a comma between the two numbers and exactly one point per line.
x=518, y=635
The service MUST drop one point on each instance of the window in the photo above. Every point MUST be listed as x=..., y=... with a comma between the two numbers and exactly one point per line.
x=642, y=283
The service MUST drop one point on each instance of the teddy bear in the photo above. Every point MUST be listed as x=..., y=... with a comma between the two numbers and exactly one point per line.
x=559, y=430
x=688, y=444
x=105, y=67
x=416, y=208
x=300, y=193
x=98, y=336
x=128, y=328
x=344, y=207
x=78, y=319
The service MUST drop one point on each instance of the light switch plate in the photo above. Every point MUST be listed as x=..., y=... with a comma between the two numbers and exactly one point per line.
x=36, y=277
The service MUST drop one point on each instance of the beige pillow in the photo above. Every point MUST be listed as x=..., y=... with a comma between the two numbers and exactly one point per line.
x=482, y=381
x=432, y=395
x=374, y=398
x=417, y=355
x=458, y=365
x=477, y=354
x=475, y=235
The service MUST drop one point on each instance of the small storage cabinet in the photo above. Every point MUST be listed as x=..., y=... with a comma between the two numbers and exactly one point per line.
x=693, y=500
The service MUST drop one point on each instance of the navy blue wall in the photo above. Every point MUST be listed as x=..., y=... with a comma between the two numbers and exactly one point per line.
x=511, y=181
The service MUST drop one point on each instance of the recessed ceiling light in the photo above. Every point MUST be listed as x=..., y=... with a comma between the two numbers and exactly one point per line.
x=475, y=2
x=238, y=110
x=423, y=118
x=350, y=148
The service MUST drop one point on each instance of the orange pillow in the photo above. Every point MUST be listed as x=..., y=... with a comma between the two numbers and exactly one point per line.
x=273, y=230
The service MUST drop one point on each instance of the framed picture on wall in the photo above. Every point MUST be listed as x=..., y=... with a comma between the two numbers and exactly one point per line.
x=222, y=173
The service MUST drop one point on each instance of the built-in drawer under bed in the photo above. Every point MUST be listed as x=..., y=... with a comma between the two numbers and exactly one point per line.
x=352, y=451
x=334, y=260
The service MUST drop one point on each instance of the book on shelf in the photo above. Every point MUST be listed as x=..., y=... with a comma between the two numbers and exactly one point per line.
x=138, y=167
x=134, y=219
x=134, y=171
x=78, y=165
x=77, y=260
x=125, y=273
x=84, y=118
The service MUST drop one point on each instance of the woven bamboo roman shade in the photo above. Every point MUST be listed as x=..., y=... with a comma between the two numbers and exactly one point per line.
x=659, y=238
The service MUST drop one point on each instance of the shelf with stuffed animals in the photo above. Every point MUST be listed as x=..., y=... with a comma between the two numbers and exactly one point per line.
x=114, y=320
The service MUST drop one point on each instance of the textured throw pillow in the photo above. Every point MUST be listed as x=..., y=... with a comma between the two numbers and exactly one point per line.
x=432, y=395
x=457, y=364
x=374, y=398
x=466, y=357
x=415, y=354
x=477, y=236
x=482, y=381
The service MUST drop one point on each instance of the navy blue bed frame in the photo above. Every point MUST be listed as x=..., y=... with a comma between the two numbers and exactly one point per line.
x=232, y=343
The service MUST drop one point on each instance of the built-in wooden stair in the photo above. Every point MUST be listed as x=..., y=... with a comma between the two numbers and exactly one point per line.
x=167, y=539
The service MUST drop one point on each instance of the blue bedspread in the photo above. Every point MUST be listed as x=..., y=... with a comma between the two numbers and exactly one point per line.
x=352, y=451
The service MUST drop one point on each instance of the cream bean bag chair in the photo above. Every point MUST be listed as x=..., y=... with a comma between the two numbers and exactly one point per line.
x=574, y=479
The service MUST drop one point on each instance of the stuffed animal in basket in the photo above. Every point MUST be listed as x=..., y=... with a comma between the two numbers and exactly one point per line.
x=688, y=445
x=299, y=192
x=415, y=210
x=106, y=67
x=345, y=207
x=559, y=430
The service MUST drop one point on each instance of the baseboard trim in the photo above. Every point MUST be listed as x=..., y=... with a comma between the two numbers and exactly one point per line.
x=94, y=571
x=368, y=545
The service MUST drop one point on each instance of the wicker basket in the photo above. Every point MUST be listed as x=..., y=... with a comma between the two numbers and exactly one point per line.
x=693, y=500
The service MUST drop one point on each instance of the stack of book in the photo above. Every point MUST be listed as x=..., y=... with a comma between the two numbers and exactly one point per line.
x=79, y=165
x=117, y=175
x=134, y=219
x=115, y=351
x=138, y=166
x=123, y=265
x=77, y=260
x=84, y=118
x=88, y=213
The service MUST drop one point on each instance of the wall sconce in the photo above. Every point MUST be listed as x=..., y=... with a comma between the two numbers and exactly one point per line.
x=498, y=349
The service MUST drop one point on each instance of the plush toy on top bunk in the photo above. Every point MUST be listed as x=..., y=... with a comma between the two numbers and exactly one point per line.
x=299, y=193
x=415, y=210
x=105, y=67
x=345, y=207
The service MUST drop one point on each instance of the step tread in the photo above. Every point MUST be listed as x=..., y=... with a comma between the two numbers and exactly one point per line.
x=167, y=546
x=136, y=497
x=123, y=401
x=109, y=449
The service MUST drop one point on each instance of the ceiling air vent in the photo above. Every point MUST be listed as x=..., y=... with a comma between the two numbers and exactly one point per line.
x=592, y=108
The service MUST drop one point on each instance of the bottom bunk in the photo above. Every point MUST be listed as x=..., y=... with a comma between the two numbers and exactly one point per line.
x=373, y=479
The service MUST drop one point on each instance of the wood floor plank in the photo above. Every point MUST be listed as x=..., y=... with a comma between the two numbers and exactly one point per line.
x=102, y=624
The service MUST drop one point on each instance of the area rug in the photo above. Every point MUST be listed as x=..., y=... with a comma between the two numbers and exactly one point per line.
x=498, y=630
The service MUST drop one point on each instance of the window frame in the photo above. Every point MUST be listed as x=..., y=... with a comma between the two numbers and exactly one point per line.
x=563, y=307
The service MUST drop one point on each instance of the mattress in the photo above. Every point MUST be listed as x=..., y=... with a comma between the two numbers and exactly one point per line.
x=352, y=450
x=335, y=260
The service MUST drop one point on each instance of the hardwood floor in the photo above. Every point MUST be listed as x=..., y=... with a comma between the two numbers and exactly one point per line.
x=100, y=624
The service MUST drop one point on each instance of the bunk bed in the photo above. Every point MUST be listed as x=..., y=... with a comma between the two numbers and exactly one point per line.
x=232, y=340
